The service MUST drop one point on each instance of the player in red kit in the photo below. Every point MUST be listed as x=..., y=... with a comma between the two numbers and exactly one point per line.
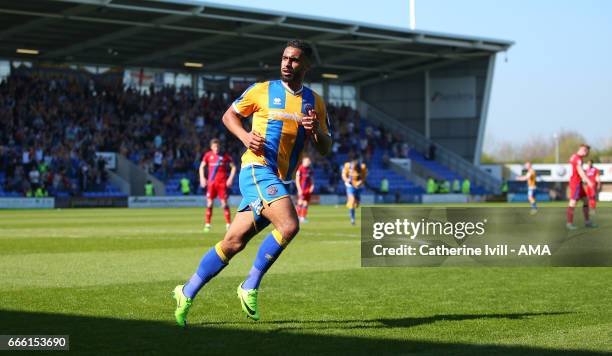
x=304, y=179
x=218, y=180
x=593, y=174
x=576, y=188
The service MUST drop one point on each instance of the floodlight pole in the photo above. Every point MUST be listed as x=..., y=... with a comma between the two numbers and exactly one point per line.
x=412, y=14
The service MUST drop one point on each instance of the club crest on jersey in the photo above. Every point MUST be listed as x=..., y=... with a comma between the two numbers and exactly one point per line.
x=307, y=108
x=272, y=190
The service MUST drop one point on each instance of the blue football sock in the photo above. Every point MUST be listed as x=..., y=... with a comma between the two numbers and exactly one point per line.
x=352, y=212
x=270, y=249
x=212, y=263
x=533, y=205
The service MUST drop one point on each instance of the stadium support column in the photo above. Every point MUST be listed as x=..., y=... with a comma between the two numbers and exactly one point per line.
x=195, y=84
x=427, y=117
x=484, y=109
x=326, y=91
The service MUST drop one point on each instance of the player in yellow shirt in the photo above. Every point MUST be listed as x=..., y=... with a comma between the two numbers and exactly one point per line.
x=286, y=116
x=354, y=174
x=530, y=177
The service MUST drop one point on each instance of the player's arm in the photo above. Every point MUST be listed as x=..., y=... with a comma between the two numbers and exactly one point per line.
x=583, y=175
x=230, y=179
x=362, y=176
x=201, y=170
x=345, y=175
x=317, y=123
x=251, y=140
x=522, y=178
x=598, y=181
x=242, y=107
x=321, y=140
x=312, y=186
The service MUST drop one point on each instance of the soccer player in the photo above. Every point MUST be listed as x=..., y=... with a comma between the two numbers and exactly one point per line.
x=530, y=177
x=593, y=174
x=577, y=189
x=218, y=181
x=286, y=115
x=354, y=174
x=305, y=186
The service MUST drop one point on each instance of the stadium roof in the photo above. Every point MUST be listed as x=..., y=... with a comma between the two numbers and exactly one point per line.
x=225, y=39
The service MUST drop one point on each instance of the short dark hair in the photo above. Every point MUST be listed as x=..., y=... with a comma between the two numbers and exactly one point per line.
x=585, y=146
x=215, y=141
x=301, y=45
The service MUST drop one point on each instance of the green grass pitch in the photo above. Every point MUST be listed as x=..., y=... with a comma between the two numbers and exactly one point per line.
x=104, y=276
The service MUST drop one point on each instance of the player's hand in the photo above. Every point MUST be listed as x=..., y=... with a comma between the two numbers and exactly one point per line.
x=311, y=189
x=311, y=122
x=591, y=185
x=254, y=142
x=203, y=183
x=229, y=182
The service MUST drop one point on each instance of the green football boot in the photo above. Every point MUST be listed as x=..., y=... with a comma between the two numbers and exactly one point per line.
x=248, y=302
x=182, y=306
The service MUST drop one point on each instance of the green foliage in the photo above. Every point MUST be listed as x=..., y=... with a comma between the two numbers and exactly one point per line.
x=543, y=150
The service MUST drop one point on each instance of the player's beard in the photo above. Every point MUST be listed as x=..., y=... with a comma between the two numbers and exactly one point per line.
x=293, y=77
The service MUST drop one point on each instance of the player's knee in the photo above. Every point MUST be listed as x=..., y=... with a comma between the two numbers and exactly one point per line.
x=289, y=229
x=231, y=245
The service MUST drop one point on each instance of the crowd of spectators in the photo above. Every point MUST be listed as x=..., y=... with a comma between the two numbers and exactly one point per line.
x=47, y=136
x=52, y=125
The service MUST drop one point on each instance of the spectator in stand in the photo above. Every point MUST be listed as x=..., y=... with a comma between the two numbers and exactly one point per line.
x=34, y=176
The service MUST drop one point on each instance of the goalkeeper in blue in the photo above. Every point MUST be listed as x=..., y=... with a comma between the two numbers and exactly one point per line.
x=286, y=117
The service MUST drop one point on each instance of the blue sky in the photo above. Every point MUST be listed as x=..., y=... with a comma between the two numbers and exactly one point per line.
x=558, y=74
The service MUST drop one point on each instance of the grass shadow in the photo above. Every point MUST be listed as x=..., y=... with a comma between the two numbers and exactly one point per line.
x=95, y=335
x=406, y=322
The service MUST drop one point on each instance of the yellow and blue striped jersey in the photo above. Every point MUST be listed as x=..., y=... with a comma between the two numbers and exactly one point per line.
x=531, y=179
x=277, y=113
x=355, y=172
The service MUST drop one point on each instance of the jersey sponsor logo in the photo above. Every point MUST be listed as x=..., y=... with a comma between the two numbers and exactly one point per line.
x=277, y=101
x=279, y=115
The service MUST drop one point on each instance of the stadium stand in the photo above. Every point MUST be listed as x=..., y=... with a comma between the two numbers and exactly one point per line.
x=99, y=117
x=64, y=116
x=55, y=121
